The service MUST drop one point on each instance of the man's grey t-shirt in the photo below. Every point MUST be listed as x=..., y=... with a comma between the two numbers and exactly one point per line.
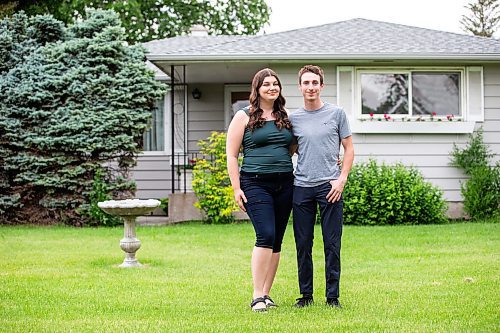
x=319, y=134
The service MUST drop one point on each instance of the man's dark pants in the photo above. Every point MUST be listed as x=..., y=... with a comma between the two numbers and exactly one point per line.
x=305, y=201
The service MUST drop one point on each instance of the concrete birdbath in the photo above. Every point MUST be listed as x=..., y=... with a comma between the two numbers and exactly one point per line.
x=129, y=210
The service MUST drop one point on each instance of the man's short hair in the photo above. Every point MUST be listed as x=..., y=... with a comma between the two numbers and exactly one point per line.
x=311, y=69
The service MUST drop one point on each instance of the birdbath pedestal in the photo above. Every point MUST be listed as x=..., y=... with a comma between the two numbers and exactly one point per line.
x=129, y=210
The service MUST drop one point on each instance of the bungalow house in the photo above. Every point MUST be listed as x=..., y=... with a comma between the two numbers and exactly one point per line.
x=409, y=93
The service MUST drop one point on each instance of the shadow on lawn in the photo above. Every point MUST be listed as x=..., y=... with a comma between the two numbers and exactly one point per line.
x=107, y=262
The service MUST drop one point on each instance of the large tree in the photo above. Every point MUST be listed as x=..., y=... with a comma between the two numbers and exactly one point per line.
x=75, y=102
x=482, y=18
x=145, y=20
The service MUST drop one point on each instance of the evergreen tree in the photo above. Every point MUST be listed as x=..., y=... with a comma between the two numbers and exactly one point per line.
x=482, y=19
x=75, y=101
x=145, y=20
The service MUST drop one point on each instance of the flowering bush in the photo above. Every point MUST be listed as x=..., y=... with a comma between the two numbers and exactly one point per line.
x=211, y=182
x=190, y=164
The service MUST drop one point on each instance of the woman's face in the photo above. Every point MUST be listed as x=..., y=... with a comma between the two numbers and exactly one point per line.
x=270, y=89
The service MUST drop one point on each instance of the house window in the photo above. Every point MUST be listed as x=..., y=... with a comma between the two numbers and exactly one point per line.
x=157, y=140
x=412, y=99
x=384, y=93
x=411, y=93
x=154, y=138
x=437, y=93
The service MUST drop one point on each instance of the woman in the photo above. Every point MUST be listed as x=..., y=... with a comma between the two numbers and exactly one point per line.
x=264, y=186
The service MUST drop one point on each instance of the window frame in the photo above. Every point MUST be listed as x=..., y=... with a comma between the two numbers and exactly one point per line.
x=407, y=70
x=166, y=121
x=472, y=98
x=165, y=138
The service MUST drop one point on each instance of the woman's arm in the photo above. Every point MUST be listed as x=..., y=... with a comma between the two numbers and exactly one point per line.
x=293, y=147
x=234, y=140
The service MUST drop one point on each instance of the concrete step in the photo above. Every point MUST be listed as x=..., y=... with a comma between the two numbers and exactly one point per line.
x=152, y=220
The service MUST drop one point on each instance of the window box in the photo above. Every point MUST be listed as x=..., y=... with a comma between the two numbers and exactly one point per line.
x=434, y=127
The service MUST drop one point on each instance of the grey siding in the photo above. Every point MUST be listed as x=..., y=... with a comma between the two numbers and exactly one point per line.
x=491, y=125
x=154, y=179
x=206, y=114
x=153, y=171
x=429, y=153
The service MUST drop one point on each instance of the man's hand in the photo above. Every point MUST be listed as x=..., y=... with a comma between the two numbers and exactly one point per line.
x=239, y=196
x=336, y=191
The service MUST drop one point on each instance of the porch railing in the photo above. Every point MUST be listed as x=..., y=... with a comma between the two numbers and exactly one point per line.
x=183, y=164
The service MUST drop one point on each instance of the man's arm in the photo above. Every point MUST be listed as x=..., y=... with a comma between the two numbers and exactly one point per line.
x=338, y=184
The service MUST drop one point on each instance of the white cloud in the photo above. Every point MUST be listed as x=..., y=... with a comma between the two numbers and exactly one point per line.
x=442, y=15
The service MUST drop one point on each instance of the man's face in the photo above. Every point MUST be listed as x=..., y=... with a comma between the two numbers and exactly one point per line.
x=310, y=86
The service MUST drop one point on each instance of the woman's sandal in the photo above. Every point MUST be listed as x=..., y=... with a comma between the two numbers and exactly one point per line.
x=269, y=301
x=257, y=301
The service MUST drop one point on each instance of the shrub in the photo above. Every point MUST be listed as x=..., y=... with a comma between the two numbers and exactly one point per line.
x=391, y=194
x=211, y=182
x=474, y=155
x=481, y=192
x=164, y=205
x=95, y=216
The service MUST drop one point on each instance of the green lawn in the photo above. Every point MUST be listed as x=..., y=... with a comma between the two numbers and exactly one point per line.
x=432, y=278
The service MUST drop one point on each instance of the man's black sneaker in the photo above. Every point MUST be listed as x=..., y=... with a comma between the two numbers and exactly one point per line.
x=304, y=301
x=334, y=302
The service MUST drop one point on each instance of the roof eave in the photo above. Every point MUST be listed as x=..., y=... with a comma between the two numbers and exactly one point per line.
x=266, y=57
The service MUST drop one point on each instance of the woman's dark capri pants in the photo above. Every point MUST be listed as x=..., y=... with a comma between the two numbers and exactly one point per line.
x=269, y=203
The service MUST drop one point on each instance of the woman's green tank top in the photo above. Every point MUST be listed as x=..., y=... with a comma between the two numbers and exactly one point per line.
x=266, y=149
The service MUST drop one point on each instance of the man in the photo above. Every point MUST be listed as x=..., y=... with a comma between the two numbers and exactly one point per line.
x=319, y=128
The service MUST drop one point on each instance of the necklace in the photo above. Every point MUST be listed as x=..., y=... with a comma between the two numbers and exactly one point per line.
x=270, y=116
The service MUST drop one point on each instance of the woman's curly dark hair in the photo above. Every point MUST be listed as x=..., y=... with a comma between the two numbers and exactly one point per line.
x=255, y=114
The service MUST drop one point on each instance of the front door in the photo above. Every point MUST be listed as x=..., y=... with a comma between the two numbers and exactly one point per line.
x=236, y=97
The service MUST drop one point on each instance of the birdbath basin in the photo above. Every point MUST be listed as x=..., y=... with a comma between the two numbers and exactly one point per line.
x=129, y=210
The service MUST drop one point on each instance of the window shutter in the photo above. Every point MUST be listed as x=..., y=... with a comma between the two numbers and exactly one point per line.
x=475, y=94
x=345, y=89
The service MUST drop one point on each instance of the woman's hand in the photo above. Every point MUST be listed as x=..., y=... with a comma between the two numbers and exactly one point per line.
x=239, y=196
